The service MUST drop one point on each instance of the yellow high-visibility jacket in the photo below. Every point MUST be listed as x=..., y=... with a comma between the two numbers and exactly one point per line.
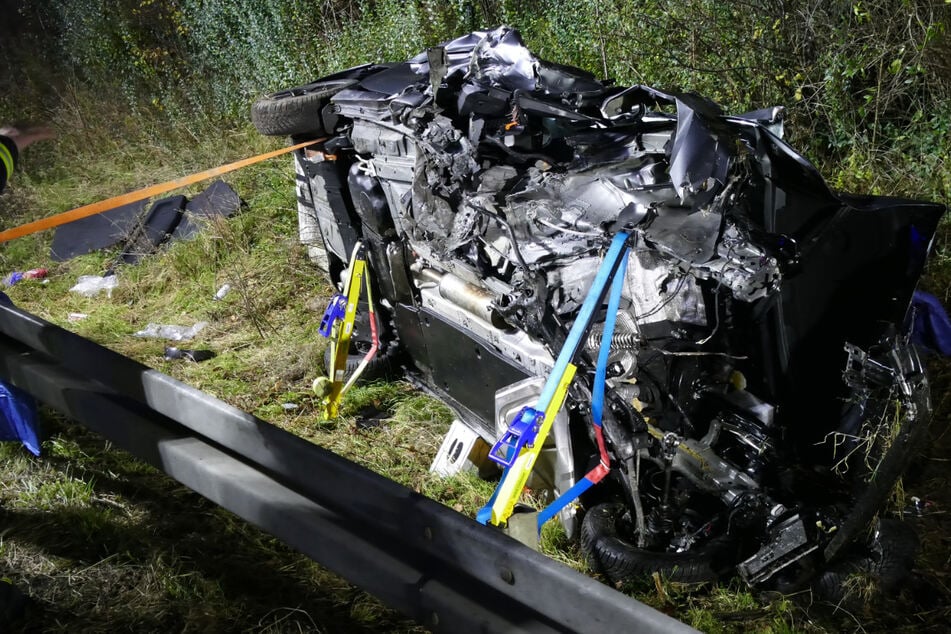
x=8, y=160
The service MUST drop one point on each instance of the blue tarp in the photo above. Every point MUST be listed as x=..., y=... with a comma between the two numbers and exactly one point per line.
x=18, y=411
x=932, y=328
x=18, y=417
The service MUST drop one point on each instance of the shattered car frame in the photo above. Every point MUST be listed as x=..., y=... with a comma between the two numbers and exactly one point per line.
x=761, y=396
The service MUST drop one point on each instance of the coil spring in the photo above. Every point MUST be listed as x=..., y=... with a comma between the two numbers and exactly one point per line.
x=620, y=340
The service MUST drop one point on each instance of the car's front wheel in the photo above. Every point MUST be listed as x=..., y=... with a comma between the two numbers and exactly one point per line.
x=611, y=552
x=296, y=111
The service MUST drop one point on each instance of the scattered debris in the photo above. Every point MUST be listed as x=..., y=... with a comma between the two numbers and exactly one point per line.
x=32, y=274
x=95, y=232
x=172, y=353
x=92, y=285
x=156, y=229
x=462, y=450
x=175, y=333
x=919, y=508
x=77, y=316
x=289, y=407
x=222, y=292
x=218, y=201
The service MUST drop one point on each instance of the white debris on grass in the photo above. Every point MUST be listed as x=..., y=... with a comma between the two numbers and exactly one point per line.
x=174, y=333
x=92, y=285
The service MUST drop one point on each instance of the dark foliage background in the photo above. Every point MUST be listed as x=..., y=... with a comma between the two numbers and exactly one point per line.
x=866, y=83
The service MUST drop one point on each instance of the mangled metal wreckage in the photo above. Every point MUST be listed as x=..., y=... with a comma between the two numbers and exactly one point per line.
x=744, y=388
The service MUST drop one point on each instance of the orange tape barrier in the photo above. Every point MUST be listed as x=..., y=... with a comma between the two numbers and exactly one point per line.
x=147, y=192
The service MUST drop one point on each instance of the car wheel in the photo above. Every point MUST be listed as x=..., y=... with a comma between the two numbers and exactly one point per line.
x=887, y=562
x=619, y=560
x=296, y=111
x=881, y=465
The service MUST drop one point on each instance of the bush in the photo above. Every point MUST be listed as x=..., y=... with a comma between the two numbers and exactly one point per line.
x=867, y=83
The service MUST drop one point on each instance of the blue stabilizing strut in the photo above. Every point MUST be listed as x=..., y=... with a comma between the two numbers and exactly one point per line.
x=601, y=369
x=591, y=304
x=597, y=396
x=18, y=411
x=578, y=329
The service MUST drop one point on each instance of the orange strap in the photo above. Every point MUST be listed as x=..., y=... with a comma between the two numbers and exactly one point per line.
x=147, y=192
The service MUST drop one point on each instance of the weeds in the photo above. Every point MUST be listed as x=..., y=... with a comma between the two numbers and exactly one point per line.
x=870, y=446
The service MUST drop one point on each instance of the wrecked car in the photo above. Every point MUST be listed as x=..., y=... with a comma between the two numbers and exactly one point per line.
x=738, y=332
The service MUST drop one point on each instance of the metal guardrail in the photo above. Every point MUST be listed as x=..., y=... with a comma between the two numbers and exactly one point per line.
x=439, y=567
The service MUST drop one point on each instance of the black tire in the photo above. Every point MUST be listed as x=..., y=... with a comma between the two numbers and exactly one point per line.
x=873, y=488
x=296, y=111
x=620, y=560
x=14, y=605
x=888, y=560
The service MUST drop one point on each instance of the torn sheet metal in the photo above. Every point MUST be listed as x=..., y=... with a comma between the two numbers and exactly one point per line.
x=487, y=185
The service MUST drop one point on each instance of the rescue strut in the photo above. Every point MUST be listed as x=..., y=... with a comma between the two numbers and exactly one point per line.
x=337, y=325
x=519, y=447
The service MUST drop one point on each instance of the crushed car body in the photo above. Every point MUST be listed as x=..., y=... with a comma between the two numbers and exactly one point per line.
x=756, y=394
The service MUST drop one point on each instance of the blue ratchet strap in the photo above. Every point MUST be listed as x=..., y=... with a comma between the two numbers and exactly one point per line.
x=336, y=309
x=601, y=369
x=580, y=326
x=521, y=433
x=485, y=513
x=591, y=304
x=597, y=400
x=592, y=478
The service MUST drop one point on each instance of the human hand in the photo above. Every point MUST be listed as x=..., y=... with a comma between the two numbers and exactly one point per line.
x=27, y=137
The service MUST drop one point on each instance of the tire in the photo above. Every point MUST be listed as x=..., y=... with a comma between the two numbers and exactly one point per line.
x=888, y=561
x=616, y=558
x=874, y=488
x=296, y=111
x=14, y=605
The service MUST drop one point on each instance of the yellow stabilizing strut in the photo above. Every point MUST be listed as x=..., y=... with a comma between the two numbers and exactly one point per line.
x=340, y=335
x=521, y=444
x=511, y=486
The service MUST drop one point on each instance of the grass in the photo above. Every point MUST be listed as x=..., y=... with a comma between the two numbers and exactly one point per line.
x=132, y=560
x=105, y=543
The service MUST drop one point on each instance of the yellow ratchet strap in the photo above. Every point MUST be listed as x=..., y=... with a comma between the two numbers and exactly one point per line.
x=513, y=483
x=340, y=339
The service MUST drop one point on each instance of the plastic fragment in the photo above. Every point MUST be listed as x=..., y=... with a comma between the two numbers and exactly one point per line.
x=92, y=285
x=222, y=292
x=168, y=331
x=32, y=274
